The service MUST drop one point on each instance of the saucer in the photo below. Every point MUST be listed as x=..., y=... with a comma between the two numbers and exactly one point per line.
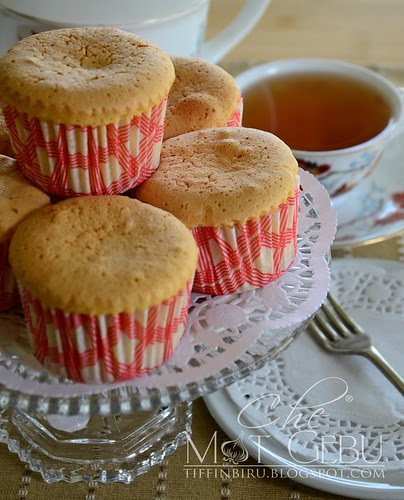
x=329, y=421
x=374, y=210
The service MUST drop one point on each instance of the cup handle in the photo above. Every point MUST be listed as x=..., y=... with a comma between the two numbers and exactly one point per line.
x=213, y=50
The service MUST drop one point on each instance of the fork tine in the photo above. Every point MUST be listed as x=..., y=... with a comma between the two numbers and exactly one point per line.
x=339, y=325
x=318, y=334
x=326, y=327
x=350, y=323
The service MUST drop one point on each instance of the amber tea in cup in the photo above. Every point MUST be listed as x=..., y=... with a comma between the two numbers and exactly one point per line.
x=317, y=111
x=335, y=116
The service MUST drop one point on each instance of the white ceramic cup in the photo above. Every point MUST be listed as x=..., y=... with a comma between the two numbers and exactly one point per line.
x=177, y=26
x=342, y=169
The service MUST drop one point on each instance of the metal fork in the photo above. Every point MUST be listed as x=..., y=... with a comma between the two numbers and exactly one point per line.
x=335, y=331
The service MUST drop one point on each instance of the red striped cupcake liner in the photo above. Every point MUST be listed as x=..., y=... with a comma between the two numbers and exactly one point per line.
x=236, y=119
x=102, y=349
x=9, y=295
x=72, y=160
x=249, y=255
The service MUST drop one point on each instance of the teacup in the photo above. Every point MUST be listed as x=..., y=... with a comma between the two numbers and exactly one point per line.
x=339, y=169
x=177, y=26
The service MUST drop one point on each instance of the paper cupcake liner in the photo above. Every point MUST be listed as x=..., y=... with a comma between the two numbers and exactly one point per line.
x=71, y=160
x=9, y=295
x=101, y=349
x=249, y=255
x=237, y=116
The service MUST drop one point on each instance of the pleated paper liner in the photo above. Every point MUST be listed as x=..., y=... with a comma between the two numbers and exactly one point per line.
x=237, y=116
x=72, y=160
x=105, y=348
x=249, y=255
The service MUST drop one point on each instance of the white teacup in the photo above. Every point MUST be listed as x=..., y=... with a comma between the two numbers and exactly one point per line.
x=338, y=170
x=177, y=26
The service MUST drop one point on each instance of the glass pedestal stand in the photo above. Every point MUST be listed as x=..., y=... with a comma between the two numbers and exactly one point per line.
x=108, y=446
x=82, y=432
x=107, y=449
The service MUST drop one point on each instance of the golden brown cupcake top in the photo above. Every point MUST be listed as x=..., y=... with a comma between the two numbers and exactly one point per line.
x=221, y=176
x=18, y=197
x=85, y=76
x=5, y=144
x=202, y=96
x=102, y=255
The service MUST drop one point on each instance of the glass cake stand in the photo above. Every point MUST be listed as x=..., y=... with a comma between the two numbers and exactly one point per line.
x=114, y=432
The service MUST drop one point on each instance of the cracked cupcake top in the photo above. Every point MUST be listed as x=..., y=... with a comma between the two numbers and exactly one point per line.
x=221, y=176
x=203, y=95
x=102, y=255
x=18, y=197
x=85, y=76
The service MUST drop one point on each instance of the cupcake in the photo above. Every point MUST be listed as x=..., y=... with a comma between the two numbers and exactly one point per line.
x=85, y=108
x=202, y=96
x=105, y=284
x=18, y=198
x=237, y=189
x=5, y=144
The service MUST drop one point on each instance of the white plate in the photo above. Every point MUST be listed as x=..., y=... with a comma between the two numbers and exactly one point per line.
x=375, y=209
x=379, y=276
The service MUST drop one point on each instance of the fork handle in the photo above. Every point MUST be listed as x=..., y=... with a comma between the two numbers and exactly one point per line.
x=378, y=359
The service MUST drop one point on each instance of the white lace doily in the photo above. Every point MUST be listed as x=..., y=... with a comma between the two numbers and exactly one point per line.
x=367, y=407
x=224, y=335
